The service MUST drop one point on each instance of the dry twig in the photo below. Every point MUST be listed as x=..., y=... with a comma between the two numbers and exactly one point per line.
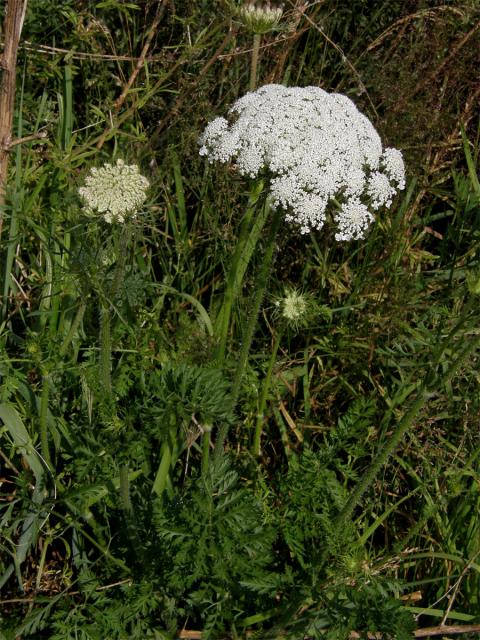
x=12, y=28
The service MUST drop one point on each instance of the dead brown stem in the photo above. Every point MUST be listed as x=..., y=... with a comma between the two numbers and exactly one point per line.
x=12, y=28
x=420, y=633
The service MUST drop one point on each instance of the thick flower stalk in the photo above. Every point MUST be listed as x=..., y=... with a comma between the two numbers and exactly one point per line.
x=320, y=154
x=115, y=192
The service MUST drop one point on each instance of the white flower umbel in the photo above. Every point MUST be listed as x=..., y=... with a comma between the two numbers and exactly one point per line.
x=316, y=148
x=115, y=192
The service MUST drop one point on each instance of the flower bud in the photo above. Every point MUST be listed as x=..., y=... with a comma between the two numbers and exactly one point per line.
x=259, y=18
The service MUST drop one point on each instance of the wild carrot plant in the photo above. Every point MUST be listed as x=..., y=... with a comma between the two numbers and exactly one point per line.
x=315, y=150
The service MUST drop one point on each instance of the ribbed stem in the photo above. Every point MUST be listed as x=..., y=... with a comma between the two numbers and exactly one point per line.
x=381, y=457
x=205, y=452
x=128, y=512
x=125, y=490
x=226, y=309
x=106, y=370
x=120, y=263
x=105, y=352
x=249, y=332
x=250, y=230
x=105, y=313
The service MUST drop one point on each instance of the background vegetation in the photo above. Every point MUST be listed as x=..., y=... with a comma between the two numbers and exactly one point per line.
x=116, y=519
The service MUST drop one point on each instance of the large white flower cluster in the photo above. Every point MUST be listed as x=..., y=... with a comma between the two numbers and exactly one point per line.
x=116, y=192
x=316, y=147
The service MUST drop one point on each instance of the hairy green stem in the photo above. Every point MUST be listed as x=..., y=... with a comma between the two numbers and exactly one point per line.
x=45, y=397
x=105, y=314
x=120, y=264
x=263, y=397
x=128, y=512
x=44, y=400
x=249, y=332
x=254, y=63
x=226, y=309
x=424, y=393
x=73, y=329
x=205, y=452
x=106, y=367
x=125, y=490
x=105, y=352
x=247, y=241
x=381, y=457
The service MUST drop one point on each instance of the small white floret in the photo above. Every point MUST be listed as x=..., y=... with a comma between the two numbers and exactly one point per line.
x=394, y=167
x=352, y=220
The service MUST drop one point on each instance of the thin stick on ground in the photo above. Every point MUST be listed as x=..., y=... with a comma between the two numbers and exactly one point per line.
x=186, y=634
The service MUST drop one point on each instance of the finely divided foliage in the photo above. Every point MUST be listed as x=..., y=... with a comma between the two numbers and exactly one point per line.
x=317, y=149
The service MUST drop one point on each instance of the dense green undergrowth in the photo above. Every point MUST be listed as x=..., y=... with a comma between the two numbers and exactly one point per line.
x=345, y=496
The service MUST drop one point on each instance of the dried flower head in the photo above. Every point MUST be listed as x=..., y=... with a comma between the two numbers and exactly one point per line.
x=116, y=192
x=259, y=18
x=316, y=148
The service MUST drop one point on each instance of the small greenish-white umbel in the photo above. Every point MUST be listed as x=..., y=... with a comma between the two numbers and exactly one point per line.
x=115, y=192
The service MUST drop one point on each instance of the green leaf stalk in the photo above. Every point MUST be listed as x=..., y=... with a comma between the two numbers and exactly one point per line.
x=247, y=338
x=250, y=230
